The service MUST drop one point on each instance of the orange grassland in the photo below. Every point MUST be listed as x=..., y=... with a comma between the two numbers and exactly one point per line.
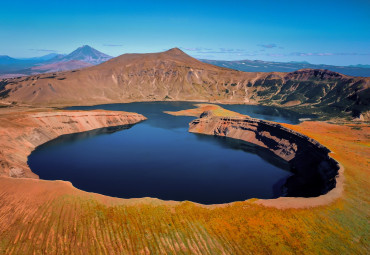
x=52, y=217
x=200, y=108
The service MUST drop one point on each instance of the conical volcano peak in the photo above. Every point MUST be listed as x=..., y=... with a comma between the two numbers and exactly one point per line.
x=86, y=49
x=87, y=54
x=176, y=52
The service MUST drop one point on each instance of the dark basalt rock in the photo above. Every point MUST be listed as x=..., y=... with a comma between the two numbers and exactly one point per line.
x=206, y=114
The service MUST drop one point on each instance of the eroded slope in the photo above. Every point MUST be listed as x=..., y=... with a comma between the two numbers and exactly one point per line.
x=21, y=132
x=173, y=75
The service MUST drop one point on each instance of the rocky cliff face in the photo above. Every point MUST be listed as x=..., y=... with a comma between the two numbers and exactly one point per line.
x=315, y=172
x=173, y=75
x=20, y=133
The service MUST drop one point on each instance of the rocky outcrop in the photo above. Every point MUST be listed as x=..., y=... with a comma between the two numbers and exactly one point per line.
x=20, y=133
x=309, y=74
x=314, y=171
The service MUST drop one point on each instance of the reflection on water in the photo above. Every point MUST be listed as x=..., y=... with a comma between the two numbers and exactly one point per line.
x=269, y=113
x=76, y=137
x=160, y=158
x=155, y=109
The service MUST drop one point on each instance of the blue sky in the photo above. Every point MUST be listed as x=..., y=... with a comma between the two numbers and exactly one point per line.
x=329, y=32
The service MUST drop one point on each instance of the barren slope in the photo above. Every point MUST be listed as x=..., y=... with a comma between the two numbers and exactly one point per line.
x=173, y=75
x=21, y=132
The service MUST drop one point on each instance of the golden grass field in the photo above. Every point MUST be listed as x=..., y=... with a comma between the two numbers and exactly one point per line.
x=53, y=217
x=200, y=108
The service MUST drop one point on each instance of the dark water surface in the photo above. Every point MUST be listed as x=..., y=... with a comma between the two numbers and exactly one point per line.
x=160, y=158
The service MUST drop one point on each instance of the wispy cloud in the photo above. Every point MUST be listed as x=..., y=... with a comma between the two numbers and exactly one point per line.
x=305, y=54
x=201, y=50
x=113, y=45
x=43, y=50
x=275, y=55
x=352, y=54
x=197, y=49
x=308, y=54
x=268, y=46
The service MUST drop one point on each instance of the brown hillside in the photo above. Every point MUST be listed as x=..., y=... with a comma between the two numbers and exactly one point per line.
x=173, y=75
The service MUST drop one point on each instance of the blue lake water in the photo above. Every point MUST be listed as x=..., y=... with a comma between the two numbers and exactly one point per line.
x=160, y=158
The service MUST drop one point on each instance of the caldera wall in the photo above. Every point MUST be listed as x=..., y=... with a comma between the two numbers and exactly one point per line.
x=314, y=171
x=21, y=133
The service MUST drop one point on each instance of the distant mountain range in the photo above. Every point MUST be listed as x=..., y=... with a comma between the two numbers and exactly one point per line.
x=82, y=57
x=59, y=66
x=269, y=66
x=174, y=75
x=87, y=56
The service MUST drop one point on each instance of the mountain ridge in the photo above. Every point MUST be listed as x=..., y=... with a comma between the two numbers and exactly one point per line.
x=86, y=54
x=81, y=57
x=271, y=66
x=174, y=75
